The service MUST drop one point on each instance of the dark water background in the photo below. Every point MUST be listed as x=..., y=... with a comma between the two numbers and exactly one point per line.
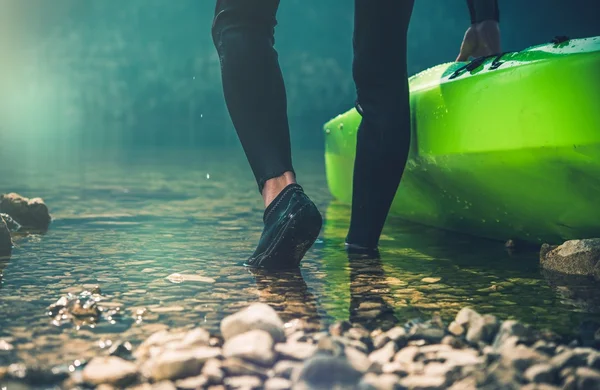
x=113, y=113
x=127, y=223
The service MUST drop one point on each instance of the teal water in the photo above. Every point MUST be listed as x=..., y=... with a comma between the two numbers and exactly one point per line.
x=128, y=221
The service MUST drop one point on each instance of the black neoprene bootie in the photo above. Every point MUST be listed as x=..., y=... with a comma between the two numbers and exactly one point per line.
x=292, y=225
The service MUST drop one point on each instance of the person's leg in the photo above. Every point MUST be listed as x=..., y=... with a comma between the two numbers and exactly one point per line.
x=253, y=86
x=380, y=75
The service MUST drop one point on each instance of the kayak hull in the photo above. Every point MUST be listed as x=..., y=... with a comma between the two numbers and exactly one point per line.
x=507, y=149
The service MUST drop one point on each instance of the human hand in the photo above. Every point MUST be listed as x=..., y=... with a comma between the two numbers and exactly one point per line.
x=481, y=39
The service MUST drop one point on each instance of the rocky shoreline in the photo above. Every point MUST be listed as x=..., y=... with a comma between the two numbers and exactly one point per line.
x=257, y=350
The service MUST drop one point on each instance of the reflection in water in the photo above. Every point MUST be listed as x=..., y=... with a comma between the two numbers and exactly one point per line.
x=129, y=225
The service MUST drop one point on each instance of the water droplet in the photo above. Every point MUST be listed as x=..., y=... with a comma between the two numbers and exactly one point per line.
x=194, y=78
x=201, y=115
x=208, y=175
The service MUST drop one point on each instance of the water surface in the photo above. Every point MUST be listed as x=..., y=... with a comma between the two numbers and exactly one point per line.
x=129, y=222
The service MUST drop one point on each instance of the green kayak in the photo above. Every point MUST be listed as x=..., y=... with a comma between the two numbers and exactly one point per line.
x=504, y=147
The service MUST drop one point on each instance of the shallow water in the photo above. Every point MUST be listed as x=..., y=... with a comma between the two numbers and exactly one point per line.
x=127, y=222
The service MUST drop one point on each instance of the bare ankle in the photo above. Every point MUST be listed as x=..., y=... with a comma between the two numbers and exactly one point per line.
x=274, y=186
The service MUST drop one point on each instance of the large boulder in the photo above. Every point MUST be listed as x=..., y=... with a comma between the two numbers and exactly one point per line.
x=5, y=240
x=575, y=257
x=29, y=213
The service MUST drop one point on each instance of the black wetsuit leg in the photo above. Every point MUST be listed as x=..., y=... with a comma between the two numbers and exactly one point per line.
x=253, y=86
x=380, y=75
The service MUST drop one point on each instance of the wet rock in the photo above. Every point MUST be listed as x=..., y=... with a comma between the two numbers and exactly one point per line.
x=541, y=373
x=575, y=257
x=296, y=351
x=482, y=329
x=327, y=372
x=243, y=382
x=385, y=354
x=191, y=383
x=587, y=379
x=258, y=316
x=177, y=364
x=255, y=346
x=29, y=213
x=212, y=371
x=236, y=366
x=423, y=382
x=110, y=370
x=380, y=382
x=5, y=239
x=278, y=384
x=286, y=368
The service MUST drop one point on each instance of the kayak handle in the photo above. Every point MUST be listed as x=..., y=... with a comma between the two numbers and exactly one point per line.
x=470, y=66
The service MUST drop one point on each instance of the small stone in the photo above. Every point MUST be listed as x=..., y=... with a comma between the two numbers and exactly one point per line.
x=511, y=328
x=482, y=329
x=468, y=383
x=192, y=383
x=110, y=370
x=406, y=355
x=296, y=351
x=278, y=384
x=430, y=280
x=255, y=346
x=385, y=354
x=380, y=382
x=465, y=316
x=570, y=383
x=587, y=379
x=445, y=370
x=541, y=373
x=235, y=367
x=397, y=368
x=121, y=349
x=327, y=372
x=461, y=357
x=358, y=360
x=6, y=346
x=544, y=347
x=380, y=341
x=258, y=316
x=429, y=334
x=243, y=382
x=179, y=364
x=454, y=342
x=568, y=358
x=522, y=357
x=423, y=382
x=456, y=329
x=397, y=334
x=594, y=360
x=285, y=368
x=339, y=328
x=212, y=371
x=331, y=346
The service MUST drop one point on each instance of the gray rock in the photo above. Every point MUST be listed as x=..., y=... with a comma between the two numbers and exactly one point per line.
x=511, y=328
x=29, y=213
x=423, y=382
x=5, y=239
x=594, y=360
x=110, y=370
x=258, y=316
x=192, y=383
x=567, y=359
x=212, y=371
x=406, y=355
x=380, y=382
x=541, y=373
x=385, y=354
x=358, y=360
x=296, y=351
x=327, y=372
x=236, y=366
x=243, y=382
x=587, y=379
x=575, y=257
x=278, y=384
x=255, y=346
x=482, y=329
x=522, y=357
x=177, y=364
x=285, y=368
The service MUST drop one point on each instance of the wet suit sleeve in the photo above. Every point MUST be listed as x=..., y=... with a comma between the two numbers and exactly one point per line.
x=481, y=10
